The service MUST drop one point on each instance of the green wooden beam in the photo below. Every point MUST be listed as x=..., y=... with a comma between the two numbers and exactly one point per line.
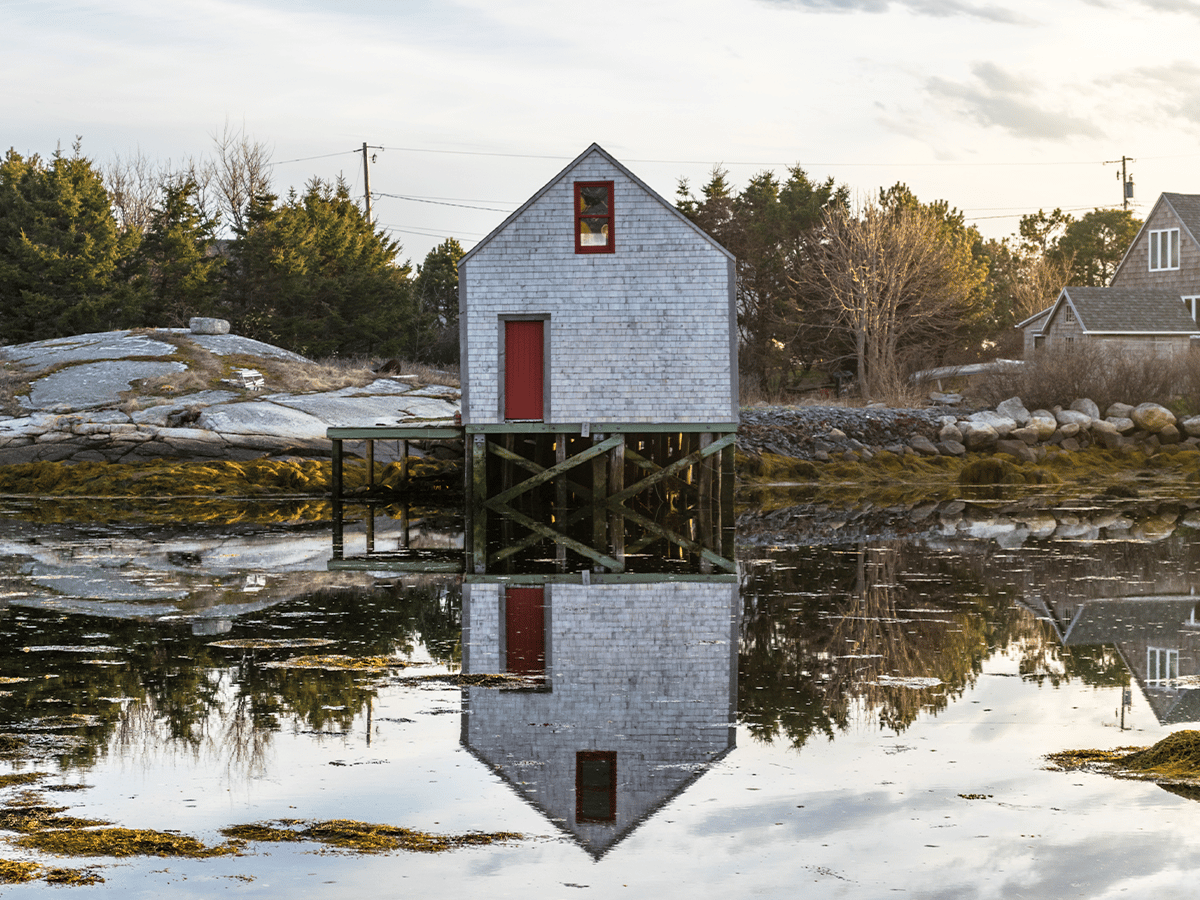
x=554, y=471
x=530, y=466
x=394, y=432
x=548, y=532
x=677, y=466
x=600, y=427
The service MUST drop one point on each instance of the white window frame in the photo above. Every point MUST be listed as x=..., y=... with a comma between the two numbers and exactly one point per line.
x=1164, y=250
x=1162, y=666
x=1192, y=302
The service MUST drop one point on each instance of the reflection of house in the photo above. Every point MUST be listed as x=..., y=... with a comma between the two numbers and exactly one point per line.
x=1157, y=637
x=631, y=694
x=1151, y=302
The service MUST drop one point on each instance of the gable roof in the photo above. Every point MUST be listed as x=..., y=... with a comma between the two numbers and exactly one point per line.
x=1186, y=208
x=1108, y=310
x=594, y=148
x=1038, y=317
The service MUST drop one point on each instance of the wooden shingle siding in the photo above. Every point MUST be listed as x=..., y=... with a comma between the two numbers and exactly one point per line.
x=1135, y=271
x=645, y=334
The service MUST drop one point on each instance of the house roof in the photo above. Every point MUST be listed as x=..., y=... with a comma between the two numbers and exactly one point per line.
x=594, y=148
x=1109, y=310
x=1036, y=317
x=1186, y=208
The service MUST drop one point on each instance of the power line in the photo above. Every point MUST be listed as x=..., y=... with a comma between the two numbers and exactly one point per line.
x=438, y=202
x=307, y=158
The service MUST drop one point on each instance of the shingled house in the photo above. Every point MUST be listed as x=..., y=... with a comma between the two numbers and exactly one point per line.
x=598, y=302
x=1150, y=306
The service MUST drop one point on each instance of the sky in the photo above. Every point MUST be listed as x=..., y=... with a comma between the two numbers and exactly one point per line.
x=1000, y=107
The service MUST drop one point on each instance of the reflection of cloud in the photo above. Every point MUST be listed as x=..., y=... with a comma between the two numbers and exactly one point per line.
x=996, y=97
x=939, y=8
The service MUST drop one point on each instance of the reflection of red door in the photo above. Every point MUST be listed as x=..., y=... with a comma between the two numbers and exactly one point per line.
x=523, y=370
x=525, y=631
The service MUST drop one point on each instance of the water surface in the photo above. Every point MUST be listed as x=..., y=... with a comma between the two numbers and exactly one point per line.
x=861, y=710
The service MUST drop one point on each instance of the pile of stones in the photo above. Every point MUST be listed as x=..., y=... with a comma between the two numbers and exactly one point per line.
x=827, y=433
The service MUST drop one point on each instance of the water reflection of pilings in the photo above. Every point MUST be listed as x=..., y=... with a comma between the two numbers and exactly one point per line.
x=624, y=691
x=678, y=535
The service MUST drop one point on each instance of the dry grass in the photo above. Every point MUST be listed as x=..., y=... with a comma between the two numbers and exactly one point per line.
x=12, y=384
x=1056, y=378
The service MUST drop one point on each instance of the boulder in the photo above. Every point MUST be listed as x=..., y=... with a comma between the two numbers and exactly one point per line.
x=1152, y=417
x=1073, y=417
x=950, y=432
x=979, y=435
x=1019, y=449
x=1002, y=425
x=1044, y=422
x=1118, y=410
x=206, y=325
x=1029, y=435
x=1123, y=424
x=1169, y=435
x=951, y=448
x=1069, y=430
x=1089, y=407
x=923, y=445
x=1014, y=408
x=1189, y=426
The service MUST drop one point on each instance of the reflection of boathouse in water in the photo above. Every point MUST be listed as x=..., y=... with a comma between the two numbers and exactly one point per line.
x=631, y=694
x=1156, y=636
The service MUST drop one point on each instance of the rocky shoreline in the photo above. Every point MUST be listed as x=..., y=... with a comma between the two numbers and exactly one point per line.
x=826, y=433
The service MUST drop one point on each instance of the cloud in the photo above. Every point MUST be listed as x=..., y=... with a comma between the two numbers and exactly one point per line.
x=998, y=98
x=1169, y=90
x=937, y=8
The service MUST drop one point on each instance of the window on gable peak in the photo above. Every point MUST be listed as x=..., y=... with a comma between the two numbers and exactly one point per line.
x=594, y=217
x=1164, y=249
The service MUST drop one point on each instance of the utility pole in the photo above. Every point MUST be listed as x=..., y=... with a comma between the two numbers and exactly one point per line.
x=1126, y=181
x=367, y=178
x=366, y=182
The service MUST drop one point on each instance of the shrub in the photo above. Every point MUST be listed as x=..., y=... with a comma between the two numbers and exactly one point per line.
x=1057, y=377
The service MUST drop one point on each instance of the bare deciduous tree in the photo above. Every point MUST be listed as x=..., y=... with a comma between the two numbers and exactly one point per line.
x=136, y=182
x=894, y=284
x=241, y=171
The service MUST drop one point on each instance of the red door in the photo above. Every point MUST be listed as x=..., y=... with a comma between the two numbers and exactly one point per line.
x=525, y=631
x=523, y=370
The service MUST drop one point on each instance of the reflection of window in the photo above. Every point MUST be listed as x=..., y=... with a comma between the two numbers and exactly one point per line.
x=594, y=217
x=595, y=786
x=1164, y=249
x=1162, y=666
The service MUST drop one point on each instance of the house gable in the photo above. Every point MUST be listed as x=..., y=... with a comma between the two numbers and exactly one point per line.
x=646, y=333
x=1172, y=212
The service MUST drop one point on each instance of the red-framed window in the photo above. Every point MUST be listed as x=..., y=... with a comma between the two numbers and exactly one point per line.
x=594, y=232
x=595, y=786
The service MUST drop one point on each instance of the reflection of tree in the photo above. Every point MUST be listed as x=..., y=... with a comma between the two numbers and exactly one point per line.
x=827, y=629
x=121, y=683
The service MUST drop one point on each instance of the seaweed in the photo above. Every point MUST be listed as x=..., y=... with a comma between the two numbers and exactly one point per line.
x=362, y=837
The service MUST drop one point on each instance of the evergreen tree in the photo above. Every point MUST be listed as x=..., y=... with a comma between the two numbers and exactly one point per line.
x=313, y=275
x=176, y=261
x=436, y=290
x=60, y=250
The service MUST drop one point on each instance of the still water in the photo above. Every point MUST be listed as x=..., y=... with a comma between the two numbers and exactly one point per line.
x=862, y=710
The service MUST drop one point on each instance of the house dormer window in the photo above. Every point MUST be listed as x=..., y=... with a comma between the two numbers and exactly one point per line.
x=1164, y=249
x=594, y=217
x=1192, y=304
